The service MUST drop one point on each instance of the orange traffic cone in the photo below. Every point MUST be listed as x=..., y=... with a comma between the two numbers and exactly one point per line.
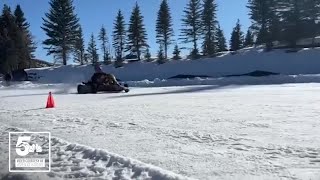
x=50, y=101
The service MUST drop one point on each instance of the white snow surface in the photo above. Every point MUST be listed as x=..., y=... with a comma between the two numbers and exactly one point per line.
x=236, y=132
x=246, y=60
x=70, y=160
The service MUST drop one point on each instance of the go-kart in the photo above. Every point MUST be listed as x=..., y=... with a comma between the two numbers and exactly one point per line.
x=93, y=88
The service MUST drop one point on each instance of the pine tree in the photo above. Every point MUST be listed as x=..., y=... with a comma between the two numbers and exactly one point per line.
x=6, y=42
x=275, y=29
x=79, y=49
x=22, y=39
x=20, y=19
x=3, y=40
x=176, y=53
x=22, y=23
x=313, y=14
x=119, y=35
x=6, y=17
x=92, y=50
x=299, y=19
x=293, y=17
x=61, y=26
x=5, y=11
x=209, y=21
x=221, y=40
x=164, y=27
x=22, y=50
x=12, y=41
x=86, y=58
x=265, y=20
x=248, y=39
x=137, y=35
x=103, y=37
x=161, y=58
x=260, y=14
x=192, y=25
x=236, y=41
x=147, y=55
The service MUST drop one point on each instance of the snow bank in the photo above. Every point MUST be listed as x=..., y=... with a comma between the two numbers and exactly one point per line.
x=70, y=160
x=247, y=60
x=65, y=88
x=245, y=80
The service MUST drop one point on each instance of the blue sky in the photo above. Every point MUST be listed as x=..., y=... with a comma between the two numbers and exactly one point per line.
x=94, y=13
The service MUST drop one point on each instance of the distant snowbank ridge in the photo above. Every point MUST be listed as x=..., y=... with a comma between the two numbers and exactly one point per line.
x=267, y=80
x=306, y=61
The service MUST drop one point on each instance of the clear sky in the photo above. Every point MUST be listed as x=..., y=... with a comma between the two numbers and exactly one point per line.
x=94, y=13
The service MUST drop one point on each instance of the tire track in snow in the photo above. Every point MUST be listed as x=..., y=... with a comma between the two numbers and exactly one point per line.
x=268, y=156
x=265, y=157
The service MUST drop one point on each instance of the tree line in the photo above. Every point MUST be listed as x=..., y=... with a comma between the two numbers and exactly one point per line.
x=285, y=21
x=199, y=24
x=16, y=42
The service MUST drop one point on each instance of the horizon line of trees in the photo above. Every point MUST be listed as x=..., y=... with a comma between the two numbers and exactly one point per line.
x=286, y=21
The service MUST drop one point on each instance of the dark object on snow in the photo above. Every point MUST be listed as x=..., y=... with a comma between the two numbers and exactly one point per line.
x=102, y=82
x=7, y=77
x=88, y=88
x=131, y=56
x=182, y=76
x=91, y=88
x=17, y=75
x=255, y=74
x=292, y=50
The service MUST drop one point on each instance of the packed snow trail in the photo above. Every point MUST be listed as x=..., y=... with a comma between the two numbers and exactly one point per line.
x=203, y=132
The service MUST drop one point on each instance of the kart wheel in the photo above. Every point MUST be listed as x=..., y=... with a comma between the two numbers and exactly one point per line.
x=80, y=89
x=94, y=89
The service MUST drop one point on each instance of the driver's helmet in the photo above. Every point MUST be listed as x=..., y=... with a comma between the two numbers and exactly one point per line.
x=97, y=68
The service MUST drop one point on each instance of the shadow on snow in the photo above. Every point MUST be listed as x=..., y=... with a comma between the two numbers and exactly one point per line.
x=180, y=91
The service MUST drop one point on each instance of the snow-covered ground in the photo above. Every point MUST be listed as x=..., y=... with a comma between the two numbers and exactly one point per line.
x=70, y=160
x=203, y=132
x=204, y=128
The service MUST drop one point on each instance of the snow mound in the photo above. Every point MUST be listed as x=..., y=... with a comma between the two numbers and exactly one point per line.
x=245, y=80
x=70, y=160
x=244, y=61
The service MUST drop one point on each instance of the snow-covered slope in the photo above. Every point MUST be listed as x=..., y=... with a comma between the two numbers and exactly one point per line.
x=247, y=60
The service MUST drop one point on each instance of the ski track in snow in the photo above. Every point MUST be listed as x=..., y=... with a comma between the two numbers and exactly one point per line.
x=236, y=132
